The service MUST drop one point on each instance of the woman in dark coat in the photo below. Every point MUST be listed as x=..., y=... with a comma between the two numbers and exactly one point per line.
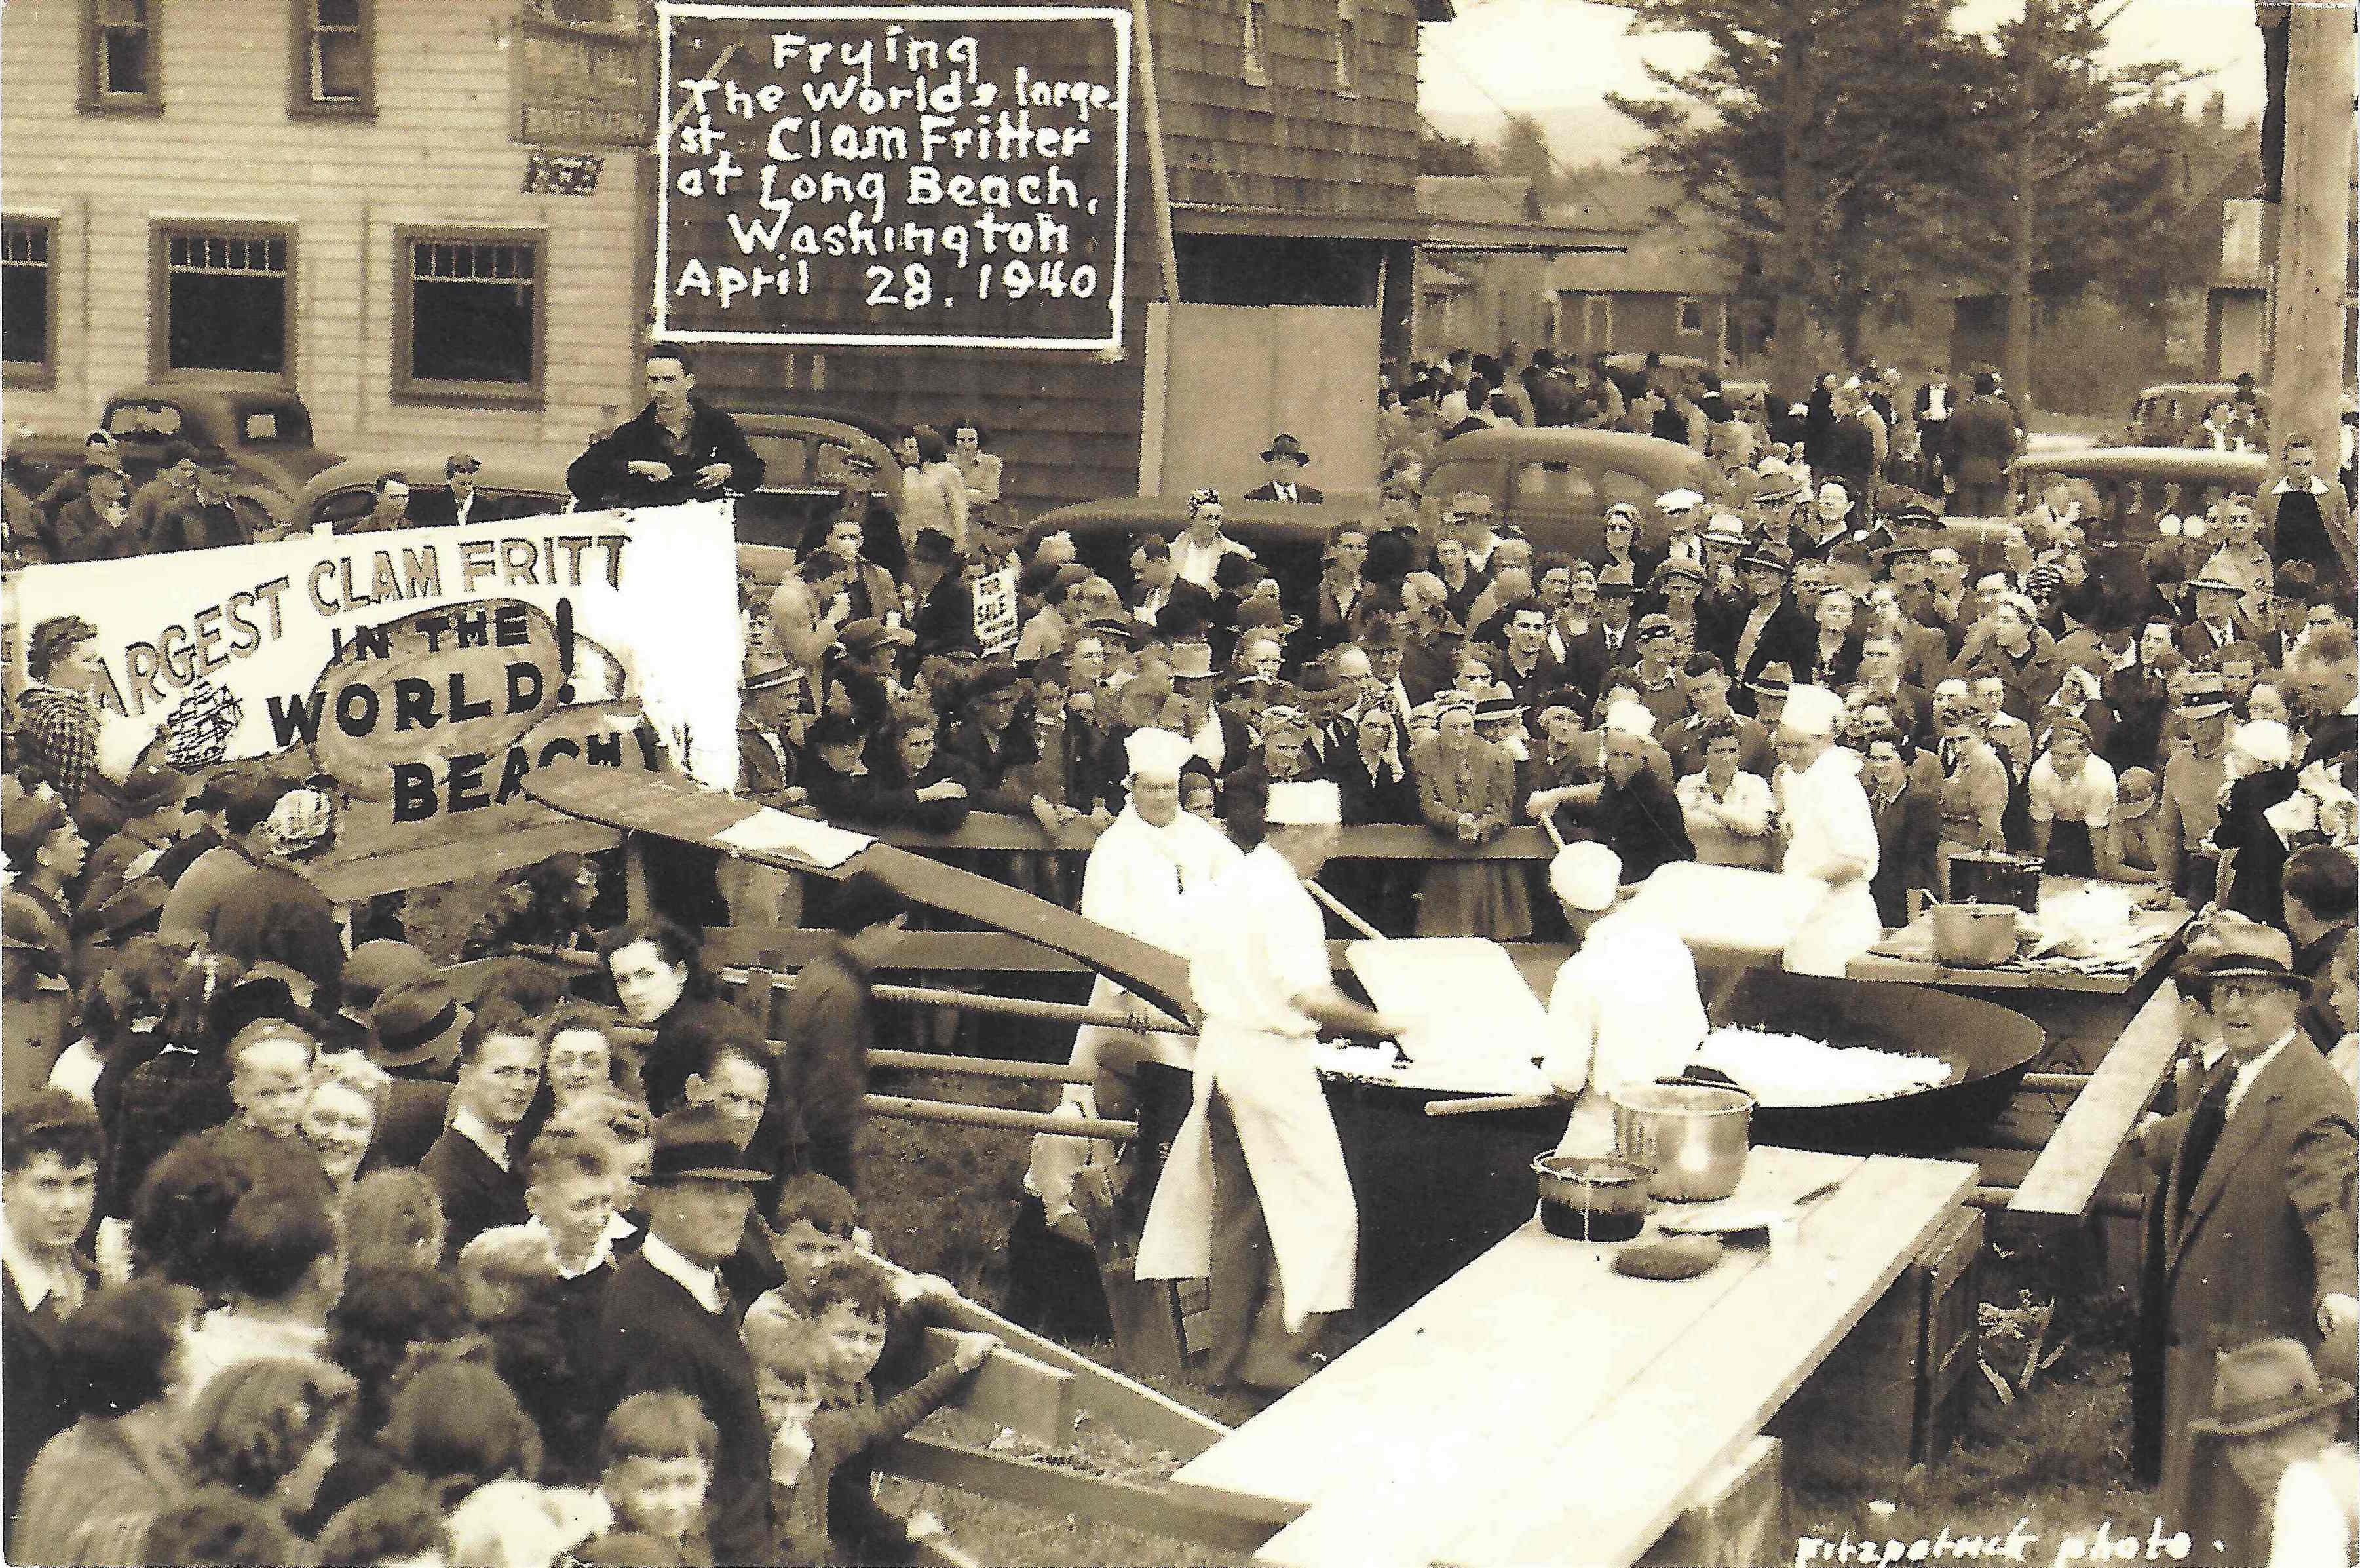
x=916, y=783
x=1376, y=786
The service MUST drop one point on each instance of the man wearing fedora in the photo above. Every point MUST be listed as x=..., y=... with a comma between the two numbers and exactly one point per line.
x=2257, y=1216
x=2216, y=626
x=1612, y=640
x=669, y=1322
x=1280, y=461
x=2273, y=1420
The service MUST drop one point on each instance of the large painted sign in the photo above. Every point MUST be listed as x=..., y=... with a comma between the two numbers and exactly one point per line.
x=869, y=174
x=426, y=671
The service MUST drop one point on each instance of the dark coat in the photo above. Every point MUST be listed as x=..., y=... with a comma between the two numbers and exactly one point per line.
x=652, y=1334
x=1787, y=638
x=1641, y=822
x=602, y=477
x=34, y=1399
x=1907, y=833
x=477, y=1194
x=2251, y=1248
x=195, y=524
x=2261, y=855
x=1982, y=434
x=80, y=533
x=1308, y=495
x=1589, y=659
x=830, y=1026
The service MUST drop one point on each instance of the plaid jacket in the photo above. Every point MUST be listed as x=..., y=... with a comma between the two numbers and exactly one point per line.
x=57, y=740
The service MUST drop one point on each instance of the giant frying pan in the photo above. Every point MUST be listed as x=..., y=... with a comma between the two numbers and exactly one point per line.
x=675, y=808
x=1988, y=1046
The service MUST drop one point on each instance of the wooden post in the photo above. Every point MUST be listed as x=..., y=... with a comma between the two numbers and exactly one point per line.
x=2314, y=238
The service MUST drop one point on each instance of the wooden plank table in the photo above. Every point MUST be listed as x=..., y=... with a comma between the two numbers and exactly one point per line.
x=1512, y=1393
x=2063, y=1183
x=2158, y=930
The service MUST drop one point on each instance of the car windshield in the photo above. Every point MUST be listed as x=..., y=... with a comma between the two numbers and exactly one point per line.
x=281, y=422
x=152, y=421
x=430, y=503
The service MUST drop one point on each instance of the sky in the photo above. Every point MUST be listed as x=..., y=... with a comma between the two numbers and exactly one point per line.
x=1559, y=58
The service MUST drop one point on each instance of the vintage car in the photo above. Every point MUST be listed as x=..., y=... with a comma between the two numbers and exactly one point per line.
x=2162, y=415
x=1556, y=483
x=268, y=435
x=803, y=461
x=1288, y=538
x=339, y=497
x=2137, y=486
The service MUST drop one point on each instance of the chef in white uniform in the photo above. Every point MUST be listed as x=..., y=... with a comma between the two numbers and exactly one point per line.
x=1831, y=835
x=1255, y=1193
x=1624, y=1008
x=1148, y=859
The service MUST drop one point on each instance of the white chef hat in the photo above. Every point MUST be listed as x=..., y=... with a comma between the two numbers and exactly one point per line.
x=1303, y=803
x=1155, y=753
x=1813, y=710
x=1631, y=718
x=1584, y=875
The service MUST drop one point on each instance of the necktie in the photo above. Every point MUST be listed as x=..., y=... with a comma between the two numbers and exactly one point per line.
x=2203, y=1133
x=1950, y=753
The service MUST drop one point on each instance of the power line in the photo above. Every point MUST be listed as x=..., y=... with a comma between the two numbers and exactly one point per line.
x=1579, y=183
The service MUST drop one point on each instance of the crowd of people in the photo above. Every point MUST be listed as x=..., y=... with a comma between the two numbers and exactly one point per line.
x=313, y=1254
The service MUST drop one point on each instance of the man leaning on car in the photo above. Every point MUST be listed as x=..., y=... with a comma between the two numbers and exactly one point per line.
x=676, y=449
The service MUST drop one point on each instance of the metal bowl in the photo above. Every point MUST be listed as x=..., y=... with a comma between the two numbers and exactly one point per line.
x=1694, y=1136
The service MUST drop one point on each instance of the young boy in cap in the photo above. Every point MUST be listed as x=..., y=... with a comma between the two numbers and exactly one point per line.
x=812, y=1374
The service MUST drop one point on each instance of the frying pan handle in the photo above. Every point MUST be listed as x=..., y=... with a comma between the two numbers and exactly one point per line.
x=1711, y=1077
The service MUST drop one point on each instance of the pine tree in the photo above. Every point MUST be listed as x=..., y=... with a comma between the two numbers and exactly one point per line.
x=1818, y=131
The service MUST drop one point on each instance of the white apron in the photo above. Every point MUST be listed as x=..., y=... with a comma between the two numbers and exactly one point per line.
x=1844, y=926
x=1296, y=1162
x=1829, y=819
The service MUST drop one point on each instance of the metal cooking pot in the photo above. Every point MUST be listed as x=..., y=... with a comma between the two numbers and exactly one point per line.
x=1695, y=1136
x=1593, y=1198
x=1969, y=935
x=1991, y=877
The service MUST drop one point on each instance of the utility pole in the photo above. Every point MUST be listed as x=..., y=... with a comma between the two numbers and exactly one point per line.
x=2024, y=216
x=2314, y=237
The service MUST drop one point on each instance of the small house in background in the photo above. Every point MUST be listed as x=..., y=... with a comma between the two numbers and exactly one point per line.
x=1479, y=301
x=1670, y=292
x=1491, y=249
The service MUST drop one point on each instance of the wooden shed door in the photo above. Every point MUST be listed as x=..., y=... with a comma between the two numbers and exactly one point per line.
x=1236, y=374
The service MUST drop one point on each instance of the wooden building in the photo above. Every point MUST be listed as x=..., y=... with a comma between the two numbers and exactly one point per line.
x=1289, y=151
x=1669, y=292
x=437, y=221
x=333, y=197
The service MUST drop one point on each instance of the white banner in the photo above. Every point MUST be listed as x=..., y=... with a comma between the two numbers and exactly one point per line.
x=425, y=670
